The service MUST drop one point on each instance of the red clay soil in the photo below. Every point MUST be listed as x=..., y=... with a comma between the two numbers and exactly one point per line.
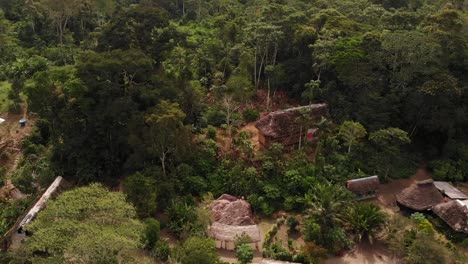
x=387, y=192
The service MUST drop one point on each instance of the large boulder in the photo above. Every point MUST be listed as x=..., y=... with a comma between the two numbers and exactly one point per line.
x=230, y=210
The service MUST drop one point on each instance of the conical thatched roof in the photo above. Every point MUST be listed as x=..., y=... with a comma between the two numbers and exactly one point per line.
x=420, y=196
x=455, y=214
x=283, y=122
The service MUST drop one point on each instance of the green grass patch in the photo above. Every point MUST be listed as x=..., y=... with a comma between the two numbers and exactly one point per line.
x=4, y=102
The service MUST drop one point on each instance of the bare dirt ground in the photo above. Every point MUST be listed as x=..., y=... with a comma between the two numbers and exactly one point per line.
x=11, y=136
x=365, y=253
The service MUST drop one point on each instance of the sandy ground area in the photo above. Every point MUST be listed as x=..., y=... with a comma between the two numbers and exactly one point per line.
x=365, y=253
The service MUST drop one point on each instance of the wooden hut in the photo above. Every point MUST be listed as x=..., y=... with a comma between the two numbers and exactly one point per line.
x=454, y=213
x=364, y=186
x=282, y=126
x=420, y=196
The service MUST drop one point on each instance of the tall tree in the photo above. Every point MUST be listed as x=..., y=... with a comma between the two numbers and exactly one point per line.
x=168, y=135
x=351, y=132
x=60, y=12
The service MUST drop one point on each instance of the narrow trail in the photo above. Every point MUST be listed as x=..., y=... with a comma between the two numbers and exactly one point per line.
x=11, y=136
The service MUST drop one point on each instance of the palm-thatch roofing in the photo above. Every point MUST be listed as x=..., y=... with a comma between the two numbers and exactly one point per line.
x=230, y=210
x=283, y=123
x=450, y=191
x=420, y=196
x=454, y=213
x=232, y=218
x=230, y=233
x=363, y=185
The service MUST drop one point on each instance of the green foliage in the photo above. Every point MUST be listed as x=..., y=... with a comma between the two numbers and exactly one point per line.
x=424, y=250
x=67, y=228
x=161, y=250
x=292, y=223
x=141, y=189
x=10, y=211
x=197, y=250
x=151, y=233
x=351, y=133
x=366, y=220
x=278, y=252
x=211, y=132
x=244, y=253
x=250, y=115
x=182, y=218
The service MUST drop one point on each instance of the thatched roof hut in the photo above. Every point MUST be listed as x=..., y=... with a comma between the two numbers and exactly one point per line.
x=232, y=218
x=281, y=126
x=363, y=186
x=229, y=233
x=230, y=210
x=420, y=196
x=454, y=213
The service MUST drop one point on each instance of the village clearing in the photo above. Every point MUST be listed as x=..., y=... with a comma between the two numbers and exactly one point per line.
x=362, y=253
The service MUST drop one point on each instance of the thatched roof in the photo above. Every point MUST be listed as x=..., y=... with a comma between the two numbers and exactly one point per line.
x=364, y=185
x=229, y=210
x=283, y=123
x=454, y=213
x=450, y=191
x=420, y=196
x=230, y=233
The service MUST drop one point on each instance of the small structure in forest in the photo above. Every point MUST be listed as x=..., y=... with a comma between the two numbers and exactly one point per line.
x=364, y=186
x=2, y=120
x=454, y=213
x=422, y=195
x=232, y=219
x=450, y=191
x=284, y=126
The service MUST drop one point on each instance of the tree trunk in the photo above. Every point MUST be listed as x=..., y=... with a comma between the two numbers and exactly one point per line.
x=300, y=139
x=260, y=69
x=255, y=68
x=268, y=96
x=163, y=162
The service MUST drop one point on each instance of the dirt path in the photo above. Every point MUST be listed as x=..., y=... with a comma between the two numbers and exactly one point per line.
x=11, y=136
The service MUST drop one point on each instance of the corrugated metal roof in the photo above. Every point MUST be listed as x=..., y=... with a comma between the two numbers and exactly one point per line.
x=450, y=191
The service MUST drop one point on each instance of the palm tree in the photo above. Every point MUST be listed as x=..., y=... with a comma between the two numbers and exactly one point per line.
x=365, y=220
x=327, y=203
